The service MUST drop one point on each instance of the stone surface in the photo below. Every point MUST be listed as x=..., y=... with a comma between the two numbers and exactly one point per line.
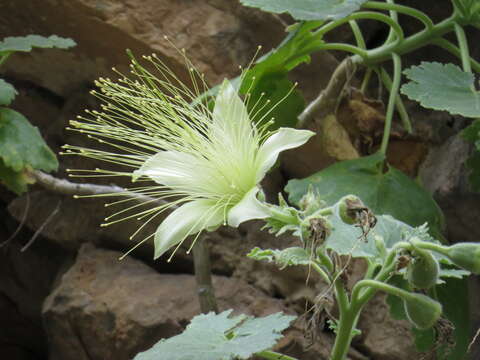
x=103, y=308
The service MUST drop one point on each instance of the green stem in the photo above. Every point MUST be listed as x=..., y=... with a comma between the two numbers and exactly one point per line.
x=451, y=48
x=366, y=79
x=344, y=47
x=394, y=16
x=346, y=324
x=363, y=15
x=321, y=272
x=272, y=355
x=341, y=295
x=4, y=58
x=402, y=10
x=409, y=44
x=402, y=111
x=397, y=72
x=357, y=32
x=325, y=260
x=463, y=44
x=378, y=285
x=441, y=249
x=349, y=317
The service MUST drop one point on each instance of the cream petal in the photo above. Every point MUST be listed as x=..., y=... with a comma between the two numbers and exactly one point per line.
x=283, y=139
x=248, y=208
x=231, y=124
x=188, y=219
x=171, y=168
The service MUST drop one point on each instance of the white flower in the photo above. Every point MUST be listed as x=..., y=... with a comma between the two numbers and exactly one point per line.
x=208, y=162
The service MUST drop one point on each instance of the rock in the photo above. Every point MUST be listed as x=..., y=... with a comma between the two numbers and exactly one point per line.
x=25, y=280
x=103, y=308
x=383, y=337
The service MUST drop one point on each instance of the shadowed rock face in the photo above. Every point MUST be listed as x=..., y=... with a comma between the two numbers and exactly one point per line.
x=100, y=308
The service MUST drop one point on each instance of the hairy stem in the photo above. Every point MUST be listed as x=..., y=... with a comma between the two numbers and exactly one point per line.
x=203, y=276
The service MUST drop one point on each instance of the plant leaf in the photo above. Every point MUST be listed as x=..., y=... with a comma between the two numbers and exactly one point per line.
x=15, y=181
x=7, y=92
x=26, y=43
x=220, y=337
x=443, y=87
x=391, y=192
x=308, y=9
x=291, y=256
x=21, y=144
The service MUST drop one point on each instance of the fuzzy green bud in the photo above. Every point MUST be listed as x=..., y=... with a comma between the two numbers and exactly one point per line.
x=423, y=271
x=466, y=256
x=422, y=311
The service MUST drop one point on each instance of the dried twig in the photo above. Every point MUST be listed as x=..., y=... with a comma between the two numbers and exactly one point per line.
x=20, y=226
x=328, y=99
x=40, y=229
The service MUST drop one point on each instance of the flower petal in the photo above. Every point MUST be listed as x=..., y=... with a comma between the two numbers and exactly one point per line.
x=229, y=108
x=188, y=219
x=283, y=139
x=171, y=168
x=248, y=208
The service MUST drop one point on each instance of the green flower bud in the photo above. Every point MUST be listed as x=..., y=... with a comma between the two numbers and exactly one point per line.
x=422, y=311
x=423, y=271
x=348, y=207
x=466, y=256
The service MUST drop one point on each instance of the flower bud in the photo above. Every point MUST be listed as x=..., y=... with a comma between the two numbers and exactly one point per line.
x=348, y=208
x=422, y=311
x=466, y=256
x=423, y=271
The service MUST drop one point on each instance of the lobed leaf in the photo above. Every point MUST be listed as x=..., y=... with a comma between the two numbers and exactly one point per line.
x=21, y=144
x=384, y=192
x=7, y=92
x=308, y=9
x=287, y=257
x=220, y=337
x=26, y=43
x=443, y=87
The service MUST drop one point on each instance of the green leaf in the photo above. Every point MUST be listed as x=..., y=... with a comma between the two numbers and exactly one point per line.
x=220, y=337
x=267, y=79
x=21, y=144
x=15, y=181
x=443, y=87
x=7, y=93
x=391, y=192
x=470, y=11
x=472, y=132
x=308, y=9
x=278, y=90
x=288, y=257
x=26, y=43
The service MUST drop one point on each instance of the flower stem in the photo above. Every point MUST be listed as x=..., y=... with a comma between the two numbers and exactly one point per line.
x=357, y=32
x=397, y=72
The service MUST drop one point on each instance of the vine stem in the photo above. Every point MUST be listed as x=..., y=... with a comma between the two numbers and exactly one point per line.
x=390, y=6
x=451, y=48
x=463, y=44
x=397, y=74
x=402, y=111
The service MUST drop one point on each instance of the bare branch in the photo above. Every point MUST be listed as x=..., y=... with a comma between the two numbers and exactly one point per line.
x=328, y=99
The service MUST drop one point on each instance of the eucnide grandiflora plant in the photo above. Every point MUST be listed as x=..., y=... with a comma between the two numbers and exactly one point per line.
x=207, y=164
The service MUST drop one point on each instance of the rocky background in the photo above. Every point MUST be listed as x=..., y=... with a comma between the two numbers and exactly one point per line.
x=68, y=297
